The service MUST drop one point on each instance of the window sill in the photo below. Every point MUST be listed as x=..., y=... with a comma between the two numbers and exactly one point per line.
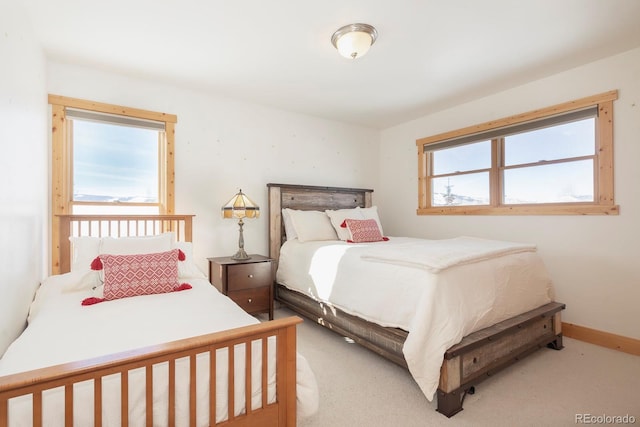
x=577, y=209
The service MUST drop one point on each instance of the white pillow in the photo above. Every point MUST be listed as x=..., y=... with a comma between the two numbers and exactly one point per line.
x=88, y=280
x=86, y=249
x=136, y=245
x=289, y=229
x=338, y=216
x=312, y=225
x=83, y=250
x=187, y=269
x=372, y=213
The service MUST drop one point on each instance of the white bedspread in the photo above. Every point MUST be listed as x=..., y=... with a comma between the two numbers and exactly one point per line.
x=60, y=330
x=437, y=255
x=437, y=308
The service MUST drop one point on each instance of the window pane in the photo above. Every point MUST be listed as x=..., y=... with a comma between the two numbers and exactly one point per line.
x=570, y=182
x=114, y=163
x=564, y=141
x=462, y=158
x=461, y=190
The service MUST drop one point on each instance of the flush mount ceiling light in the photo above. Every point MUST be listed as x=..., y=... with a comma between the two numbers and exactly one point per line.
x=354, y=40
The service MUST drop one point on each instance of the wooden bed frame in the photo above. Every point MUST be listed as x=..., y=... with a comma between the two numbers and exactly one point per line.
x=282, y=412
x=478, y=356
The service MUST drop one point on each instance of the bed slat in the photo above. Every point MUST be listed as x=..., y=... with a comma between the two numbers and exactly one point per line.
x=68, y=406
x=97, y=402
x=172, y=392
x=247, y=378
x=192, y=390
x=265, y=368
x=4, y=412
x=212, y=386
x=124, y=398
x=231, y=386
x=37, y=409
x=149, y=393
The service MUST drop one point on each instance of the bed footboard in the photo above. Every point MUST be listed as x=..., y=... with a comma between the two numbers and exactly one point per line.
x=485, y=352
x=477, y=357
x=280, y=411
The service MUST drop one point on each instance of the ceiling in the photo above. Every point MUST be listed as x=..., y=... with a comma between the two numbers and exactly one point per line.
x=429, y=54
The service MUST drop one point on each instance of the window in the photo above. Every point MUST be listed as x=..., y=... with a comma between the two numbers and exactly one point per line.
x=115, y=163
x=558, y=160
x=108, y=159
x=111, y=159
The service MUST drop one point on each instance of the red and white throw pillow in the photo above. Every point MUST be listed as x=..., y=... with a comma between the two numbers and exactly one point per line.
x=139, y=274
x=364, y=230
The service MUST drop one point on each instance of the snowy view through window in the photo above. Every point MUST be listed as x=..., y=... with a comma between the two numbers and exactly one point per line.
x=549, y=165
x=114, y=163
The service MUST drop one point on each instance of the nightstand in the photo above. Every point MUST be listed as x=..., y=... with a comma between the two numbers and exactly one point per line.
x=248, y=282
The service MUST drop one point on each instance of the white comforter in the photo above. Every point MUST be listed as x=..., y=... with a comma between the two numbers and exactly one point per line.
x=438, y=297
x=60, y=330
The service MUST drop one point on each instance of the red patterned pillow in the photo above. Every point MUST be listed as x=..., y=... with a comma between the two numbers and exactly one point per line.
x=140, y=274
x=364, y=230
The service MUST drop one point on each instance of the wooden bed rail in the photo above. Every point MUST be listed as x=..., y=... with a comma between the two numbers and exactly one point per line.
x=281, y=412
x=112, y=226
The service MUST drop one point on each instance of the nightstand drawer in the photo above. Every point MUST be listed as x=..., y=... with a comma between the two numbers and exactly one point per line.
x=248, y=276
x=249, y=282
x=251, y=300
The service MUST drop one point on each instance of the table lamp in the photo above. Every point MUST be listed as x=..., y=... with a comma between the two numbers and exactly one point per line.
x=240, y=207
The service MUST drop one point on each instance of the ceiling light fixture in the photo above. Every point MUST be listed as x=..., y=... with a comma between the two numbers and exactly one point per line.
x=354, y=40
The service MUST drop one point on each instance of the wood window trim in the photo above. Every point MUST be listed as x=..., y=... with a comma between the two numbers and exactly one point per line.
x=604, y=204
x=61, y=157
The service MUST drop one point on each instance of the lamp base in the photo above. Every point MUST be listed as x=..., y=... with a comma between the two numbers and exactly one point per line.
x=241, y=255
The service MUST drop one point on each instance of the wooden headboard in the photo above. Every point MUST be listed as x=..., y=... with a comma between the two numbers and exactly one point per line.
x=308, y=197
x=113, y=226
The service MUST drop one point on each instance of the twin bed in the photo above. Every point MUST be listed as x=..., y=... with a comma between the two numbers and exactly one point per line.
x=193, y=357
x=452, y=311
x=189, y=356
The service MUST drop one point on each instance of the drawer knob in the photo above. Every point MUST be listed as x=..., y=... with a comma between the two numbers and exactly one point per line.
x=249, y=300
x=251, y=276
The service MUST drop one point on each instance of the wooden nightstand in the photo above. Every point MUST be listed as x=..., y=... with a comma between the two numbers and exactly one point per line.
x=249, y=283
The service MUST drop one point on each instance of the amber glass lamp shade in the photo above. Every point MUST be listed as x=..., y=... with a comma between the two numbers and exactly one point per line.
x=240, y=207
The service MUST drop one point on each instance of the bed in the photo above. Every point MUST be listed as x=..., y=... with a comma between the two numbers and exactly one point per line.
x=417, y=316
x=187, y=356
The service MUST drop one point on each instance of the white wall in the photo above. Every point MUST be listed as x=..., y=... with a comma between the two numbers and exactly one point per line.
x=594, y=261
x=23, y=169
x=224, y=144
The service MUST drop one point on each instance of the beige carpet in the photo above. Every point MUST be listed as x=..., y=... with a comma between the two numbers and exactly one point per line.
x=549, y=388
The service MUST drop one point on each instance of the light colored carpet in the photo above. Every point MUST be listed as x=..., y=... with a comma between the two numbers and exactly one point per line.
x=548, y=388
